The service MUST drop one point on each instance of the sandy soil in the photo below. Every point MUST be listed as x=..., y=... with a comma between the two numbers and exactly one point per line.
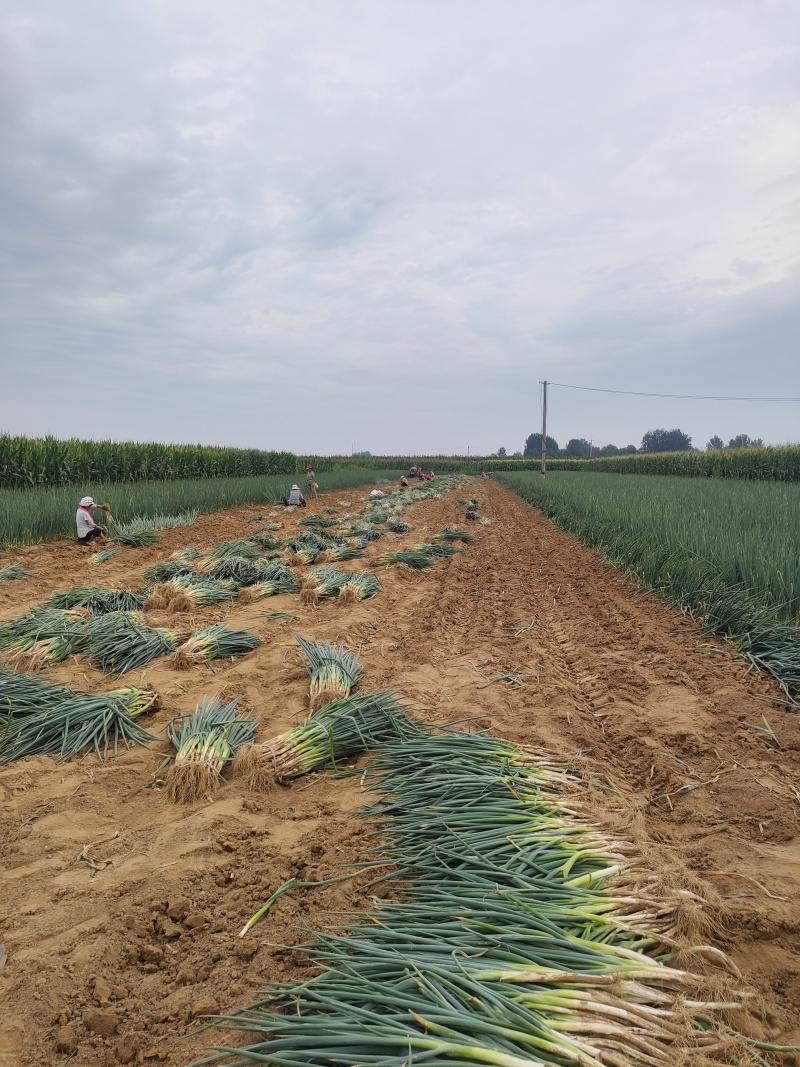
x=118, y=967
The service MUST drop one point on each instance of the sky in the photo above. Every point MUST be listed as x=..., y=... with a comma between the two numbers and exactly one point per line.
x=379, y=224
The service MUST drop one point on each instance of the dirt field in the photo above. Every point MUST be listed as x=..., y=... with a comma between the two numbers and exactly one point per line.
x=120, y=966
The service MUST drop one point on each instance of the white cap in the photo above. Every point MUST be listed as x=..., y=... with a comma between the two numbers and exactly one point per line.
x=86, y=502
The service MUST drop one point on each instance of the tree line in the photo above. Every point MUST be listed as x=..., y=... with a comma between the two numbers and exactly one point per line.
x=653, y=441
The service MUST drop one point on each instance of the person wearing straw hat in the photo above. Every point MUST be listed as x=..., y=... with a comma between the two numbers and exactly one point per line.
x=295, y=499
x=87, y=528
x=311, y=482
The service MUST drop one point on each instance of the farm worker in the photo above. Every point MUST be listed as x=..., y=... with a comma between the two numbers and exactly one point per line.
x=88, y=529
x=295, y=499
x=403, y=480
x=376, y=493
x=311, y=482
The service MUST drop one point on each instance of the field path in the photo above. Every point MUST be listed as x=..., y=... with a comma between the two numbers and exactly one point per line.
x=530, y=633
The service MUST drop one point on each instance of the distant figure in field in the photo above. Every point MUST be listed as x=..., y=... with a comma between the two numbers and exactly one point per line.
x=87, y=528
x=311, y=482
x=295, y=499
x=403, y=480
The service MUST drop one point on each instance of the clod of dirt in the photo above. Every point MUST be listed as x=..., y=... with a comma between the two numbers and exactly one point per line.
x=67, y=1039
x=101, y=1021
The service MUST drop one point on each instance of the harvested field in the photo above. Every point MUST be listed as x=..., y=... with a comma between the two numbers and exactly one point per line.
x=526, y=631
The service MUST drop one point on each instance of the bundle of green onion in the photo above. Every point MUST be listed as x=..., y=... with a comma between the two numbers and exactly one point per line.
x=187, y=553
x=13, y=572
x=187, y=592
x=275, y=580
x=323, y=583
x=317, y=520
x=522, y=940
x=266, y=541
x=205, y=741
x=363, y=585
x=377, y=517
x=398, y=526
x=44, y=638
x=341, y=728
x=242, y=549
x=238, y=569
x=452, y=533
x=333, y=671
x=138, y=533
x=416, y=560
x=167, y=569
x=101, y=557
x=47, y=719
x=365, y=535
x=440, y=548
x=214, y=642
x=118, y=643
x=97, y=601
x=339, y=553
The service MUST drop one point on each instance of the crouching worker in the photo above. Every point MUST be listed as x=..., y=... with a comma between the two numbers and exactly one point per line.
x=295, y=499
x=87, y=528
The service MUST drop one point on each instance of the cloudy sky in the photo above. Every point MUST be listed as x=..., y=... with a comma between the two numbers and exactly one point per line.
x=380, y=223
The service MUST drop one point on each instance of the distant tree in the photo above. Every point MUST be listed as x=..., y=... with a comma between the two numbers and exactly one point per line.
x=577, y=448
x=628, y=450
x=743, y=441
x=714, y=444
x=609, y=450
x=501, y=453
x=666, y=441
x=516, y=455
x=362, y=455
x=533, y=446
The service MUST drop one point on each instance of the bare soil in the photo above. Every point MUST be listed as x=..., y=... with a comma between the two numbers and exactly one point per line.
x=529, y=632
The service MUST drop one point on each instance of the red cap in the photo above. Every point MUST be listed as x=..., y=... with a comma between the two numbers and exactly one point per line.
x=309, y=467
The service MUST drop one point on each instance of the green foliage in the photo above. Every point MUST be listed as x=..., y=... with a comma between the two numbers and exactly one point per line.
x=666, y=441
x=30, y=461
x=751, y=464
x=39, y=514
x=729, y=551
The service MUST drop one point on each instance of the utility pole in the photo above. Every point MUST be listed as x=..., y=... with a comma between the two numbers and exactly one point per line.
x=544, y=428
x=467, y=451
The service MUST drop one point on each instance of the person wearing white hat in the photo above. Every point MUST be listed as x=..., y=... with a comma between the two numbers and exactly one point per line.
x=295, y=499
x=88, y=529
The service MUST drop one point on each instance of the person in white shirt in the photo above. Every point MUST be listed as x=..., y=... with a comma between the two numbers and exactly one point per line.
x=295, y=499
x=87, y=528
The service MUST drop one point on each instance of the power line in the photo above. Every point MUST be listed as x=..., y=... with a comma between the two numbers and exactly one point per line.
x=683, y=396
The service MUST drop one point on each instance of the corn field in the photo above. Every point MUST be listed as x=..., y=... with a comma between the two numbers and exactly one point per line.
x=751, y=464
x=39, y=514
x=45, y=461
x=729, y=551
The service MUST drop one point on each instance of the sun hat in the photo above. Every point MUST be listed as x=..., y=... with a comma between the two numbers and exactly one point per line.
x=295, y=487
x=86, y=502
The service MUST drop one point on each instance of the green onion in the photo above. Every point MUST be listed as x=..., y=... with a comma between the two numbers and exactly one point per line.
x=214, y=642
x=363, y=585
x=117, y=643
x=343, y=727
x=14, y=571
x=60, y=721
x=332, y=669
x=416, y=560
x=101, y=557
x=205, y=741
x=452, y=533
x=97, y=601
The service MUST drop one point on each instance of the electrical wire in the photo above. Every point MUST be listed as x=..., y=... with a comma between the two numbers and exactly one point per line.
x=681, y=396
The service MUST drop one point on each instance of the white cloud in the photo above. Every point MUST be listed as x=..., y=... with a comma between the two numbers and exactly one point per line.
x=396, y=216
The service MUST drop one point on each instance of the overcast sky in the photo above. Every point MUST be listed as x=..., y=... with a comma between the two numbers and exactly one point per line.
x=313, y=225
